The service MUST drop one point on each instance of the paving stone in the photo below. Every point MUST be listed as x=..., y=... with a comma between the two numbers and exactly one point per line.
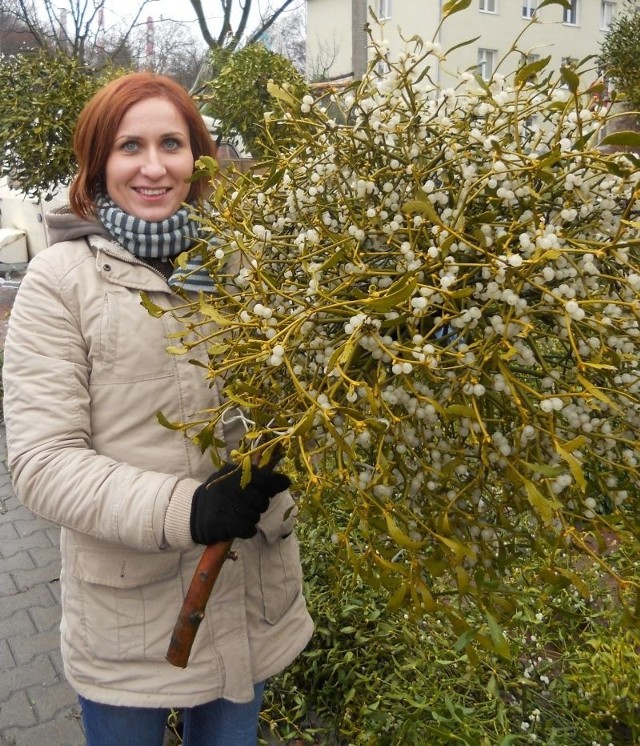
x=55, y=656
x=28, y=599
x=65, y=732
x=6, y=658
x=7, y=532
x=10, y=501
x=17, y=711
x=49, y=699
x=54, y=589
x=46, y=554
x=37, y=671
x=16, y=625
x=45, y=617
x=7, y=586
x=38, y=539
x=25, y=647
x=18, y=561
x=53, y=532
x=14, y=512
x=26, y=579
x=29, y=524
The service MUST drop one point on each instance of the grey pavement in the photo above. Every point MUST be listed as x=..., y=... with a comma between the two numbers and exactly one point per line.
x=37, y=706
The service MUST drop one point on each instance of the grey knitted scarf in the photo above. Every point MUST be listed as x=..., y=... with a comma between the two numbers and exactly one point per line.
x=158, y=240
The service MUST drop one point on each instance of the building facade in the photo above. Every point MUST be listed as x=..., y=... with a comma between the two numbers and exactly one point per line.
x=337, y=46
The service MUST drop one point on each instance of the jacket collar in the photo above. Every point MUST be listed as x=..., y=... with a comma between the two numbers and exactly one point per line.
x=118, y=266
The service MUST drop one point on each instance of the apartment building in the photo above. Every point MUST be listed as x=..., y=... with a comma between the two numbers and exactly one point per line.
x=337, y=44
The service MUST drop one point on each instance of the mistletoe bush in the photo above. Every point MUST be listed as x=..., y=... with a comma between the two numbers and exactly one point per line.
x=619, y=54
x=436, y=314
x=376, y=676
x=41, y=95
x=237, y=96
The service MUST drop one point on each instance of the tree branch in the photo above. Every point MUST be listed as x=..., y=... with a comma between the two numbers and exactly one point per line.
x=31, y=23
x=123, y=41
x=239, y=33
x=270, y=20
x=202, y=23
x=228, y=37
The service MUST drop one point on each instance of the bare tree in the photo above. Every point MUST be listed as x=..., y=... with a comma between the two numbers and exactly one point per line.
x=287, y=36
x=173, y=50
x=75, y=27
x=15, y=37
x=229, y=36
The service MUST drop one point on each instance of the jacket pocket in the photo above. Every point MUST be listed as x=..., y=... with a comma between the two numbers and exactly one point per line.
x=280, y=574
x=125, y=597
x=118, y=356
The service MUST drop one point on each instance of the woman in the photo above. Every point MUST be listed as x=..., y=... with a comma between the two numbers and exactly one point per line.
x=86, y=370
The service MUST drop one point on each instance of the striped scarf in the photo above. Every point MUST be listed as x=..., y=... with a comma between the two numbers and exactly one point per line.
x=164, y=239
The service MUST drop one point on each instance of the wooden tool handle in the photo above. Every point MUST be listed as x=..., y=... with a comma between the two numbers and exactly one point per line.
x=193, y=606
x=204, y=578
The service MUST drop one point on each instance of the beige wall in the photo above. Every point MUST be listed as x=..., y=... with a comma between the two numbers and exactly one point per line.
x=329, y=37
x=330, y=20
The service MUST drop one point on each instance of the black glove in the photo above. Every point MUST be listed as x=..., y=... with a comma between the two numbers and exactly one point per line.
x=222, y=510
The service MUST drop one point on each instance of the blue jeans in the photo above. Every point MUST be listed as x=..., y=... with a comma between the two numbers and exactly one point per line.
x=217, y=723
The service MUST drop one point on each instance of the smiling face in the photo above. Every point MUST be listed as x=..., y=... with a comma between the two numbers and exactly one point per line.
x=149, y=161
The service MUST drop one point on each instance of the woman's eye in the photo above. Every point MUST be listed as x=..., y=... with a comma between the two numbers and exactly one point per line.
x=171, y=143
x=130, y=147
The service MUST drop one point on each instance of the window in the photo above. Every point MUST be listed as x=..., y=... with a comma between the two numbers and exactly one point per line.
x=570, y=15
x=607, y=11
x=488, y=6
x=529, y=7
x=384, y=9
x=486, y=61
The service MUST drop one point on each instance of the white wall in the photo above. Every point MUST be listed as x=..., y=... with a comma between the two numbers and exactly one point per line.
x=329, y=37
x=330, y=20
x=498, y=31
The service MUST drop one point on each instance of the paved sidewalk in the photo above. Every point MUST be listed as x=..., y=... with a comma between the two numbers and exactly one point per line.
x=37, y=706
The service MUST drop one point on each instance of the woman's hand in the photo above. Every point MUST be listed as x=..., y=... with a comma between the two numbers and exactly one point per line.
x=222, y=509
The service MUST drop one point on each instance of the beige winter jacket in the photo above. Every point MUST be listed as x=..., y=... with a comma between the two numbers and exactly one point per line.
x=85, y=371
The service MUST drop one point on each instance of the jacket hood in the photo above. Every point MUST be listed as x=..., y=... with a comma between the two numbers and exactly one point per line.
x=64, y=225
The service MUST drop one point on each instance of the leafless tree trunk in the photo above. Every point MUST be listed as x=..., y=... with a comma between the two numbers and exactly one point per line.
x=228, y=36
x=75, y=27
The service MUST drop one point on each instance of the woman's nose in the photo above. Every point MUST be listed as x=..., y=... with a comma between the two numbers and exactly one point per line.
x=153, y=166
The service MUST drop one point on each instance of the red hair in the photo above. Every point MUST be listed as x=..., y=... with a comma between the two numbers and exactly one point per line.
x=98, y=124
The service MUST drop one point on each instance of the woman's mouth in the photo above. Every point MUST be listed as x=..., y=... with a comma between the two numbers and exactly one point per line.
x=147, y=192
